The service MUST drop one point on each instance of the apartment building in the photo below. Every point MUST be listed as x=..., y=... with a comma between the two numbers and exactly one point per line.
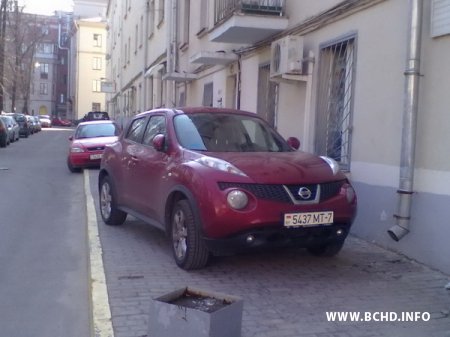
x=88, y=58
x=363, y=81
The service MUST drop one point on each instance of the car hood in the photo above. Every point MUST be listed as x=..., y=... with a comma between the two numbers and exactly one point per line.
x=281, y=167
x=95, y=141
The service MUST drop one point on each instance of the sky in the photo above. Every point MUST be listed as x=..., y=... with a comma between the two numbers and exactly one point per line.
x=46, y=7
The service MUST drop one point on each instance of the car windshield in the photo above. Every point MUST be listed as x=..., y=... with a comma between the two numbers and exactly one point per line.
x=218, y=132
x=96, y=130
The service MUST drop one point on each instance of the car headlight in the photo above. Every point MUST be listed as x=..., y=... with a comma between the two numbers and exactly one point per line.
x=220, y=165
x=237, y=199
x=76, y=149
x=332, y=163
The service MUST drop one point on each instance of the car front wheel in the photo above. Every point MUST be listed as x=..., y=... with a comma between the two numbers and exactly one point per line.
x=111, y=215
x=189, y=249
x=72, y=168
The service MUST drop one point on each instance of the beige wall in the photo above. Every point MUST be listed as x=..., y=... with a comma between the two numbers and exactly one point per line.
x=85, y=74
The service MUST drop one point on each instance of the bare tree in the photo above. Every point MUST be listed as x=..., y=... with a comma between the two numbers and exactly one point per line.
x=3, y=18
x=24, y=32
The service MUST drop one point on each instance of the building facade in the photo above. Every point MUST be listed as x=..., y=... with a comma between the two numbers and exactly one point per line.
x=87, y=58
x=365, y=82
x=88, y=64
x=36, y=67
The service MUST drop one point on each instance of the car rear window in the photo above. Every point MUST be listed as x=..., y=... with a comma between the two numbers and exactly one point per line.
x=97, y=130
x=97, y=115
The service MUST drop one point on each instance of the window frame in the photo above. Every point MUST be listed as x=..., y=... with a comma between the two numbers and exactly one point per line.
x=335, y=99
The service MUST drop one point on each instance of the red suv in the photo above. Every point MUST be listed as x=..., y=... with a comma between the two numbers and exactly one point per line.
x=221, y=181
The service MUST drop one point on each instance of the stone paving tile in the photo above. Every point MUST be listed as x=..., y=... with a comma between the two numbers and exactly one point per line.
x=286, y=293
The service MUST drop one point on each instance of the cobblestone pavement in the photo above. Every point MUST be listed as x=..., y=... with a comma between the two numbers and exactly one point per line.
x=286, y=293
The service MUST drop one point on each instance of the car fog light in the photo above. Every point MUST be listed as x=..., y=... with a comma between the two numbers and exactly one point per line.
x=350, y=194
x=250, y=239
x=339, y=232
x=237, y=199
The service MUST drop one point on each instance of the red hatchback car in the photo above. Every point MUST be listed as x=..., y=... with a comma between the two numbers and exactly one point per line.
x=221, y=181
x=88, y=142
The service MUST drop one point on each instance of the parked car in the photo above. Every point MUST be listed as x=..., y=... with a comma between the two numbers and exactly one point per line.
x=25, y=127
x=32, y=124
x=61, y=122
x=45, y=120
x=37, y=123
x=4, y=135
x=13, y=128
x=221, y=181
x=88, y=142
x=95, y=116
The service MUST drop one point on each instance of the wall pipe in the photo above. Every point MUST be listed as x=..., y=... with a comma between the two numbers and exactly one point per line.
x=410, y=105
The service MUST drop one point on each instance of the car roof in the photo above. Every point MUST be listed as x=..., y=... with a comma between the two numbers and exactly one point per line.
x=103, y=121
x=203, y=109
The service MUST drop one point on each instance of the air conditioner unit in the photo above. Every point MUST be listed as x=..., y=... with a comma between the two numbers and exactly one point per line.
x=286, y=56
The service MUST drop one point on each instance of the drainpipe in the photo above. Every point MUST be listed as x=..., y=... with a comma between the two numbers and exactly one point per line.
x=172, y=55
x=411, y=95
x=144, y=79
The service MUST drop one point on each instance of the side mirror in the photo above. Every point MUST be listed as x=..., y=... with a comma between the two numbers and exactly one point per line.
x=158, y=142
x=293, y=142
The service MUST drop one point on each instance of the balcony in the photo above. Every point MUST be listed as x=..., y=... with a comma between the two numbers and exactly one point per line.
x=247, y=21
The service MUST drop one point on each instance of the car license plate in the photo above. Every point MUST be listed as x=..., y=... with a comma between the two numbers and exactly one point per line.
x=95, y=156
x=308, y=219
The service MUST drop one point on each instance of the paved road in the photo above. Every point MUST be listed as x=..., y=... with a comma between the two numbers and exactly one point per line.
x=286, y=293
x=43, y=244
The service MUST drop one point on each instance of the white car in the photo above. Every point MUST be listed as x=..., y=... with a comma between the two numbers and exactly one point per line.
x=45, y=121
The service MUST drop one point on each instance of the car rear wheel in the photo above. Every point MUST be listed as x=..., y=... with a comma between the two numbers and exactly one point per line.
x=189, y=249
x=330, y=249
x=111, y=215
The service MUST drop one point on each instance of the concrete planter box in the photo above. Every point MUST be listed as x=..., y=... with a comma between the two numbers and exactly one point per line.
x=190, y=312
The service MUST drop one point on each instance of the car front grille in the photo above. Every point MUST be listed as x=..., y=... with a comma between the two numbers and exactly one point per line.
x=96, y=148
x=289, y=193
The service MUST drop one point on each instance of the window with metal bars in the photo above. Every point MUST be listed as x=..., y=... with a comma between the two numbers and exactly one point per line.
x=267, y=95
x=208, y=93
x=335, y=101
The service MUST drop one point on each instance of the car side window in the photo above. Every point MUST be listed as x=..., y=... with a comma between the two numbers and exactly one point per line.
x=156, y=125
x=136, y=130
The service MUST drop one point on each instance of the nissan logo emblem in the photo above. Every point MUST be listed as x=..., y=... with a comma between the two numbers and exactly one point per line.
x=304, y=193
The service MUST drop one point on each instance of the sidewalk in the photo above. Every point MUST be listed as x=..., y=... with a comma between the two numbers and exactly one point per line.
x=286, y=293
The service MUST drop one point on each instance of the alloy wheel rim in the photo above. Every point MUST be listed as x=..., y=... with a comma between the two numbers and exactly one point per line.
x=179, y=234
x=105, y=201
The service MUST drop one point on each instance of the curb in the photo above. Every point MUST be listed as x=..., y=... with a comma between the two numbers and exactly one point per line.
x=101, y=322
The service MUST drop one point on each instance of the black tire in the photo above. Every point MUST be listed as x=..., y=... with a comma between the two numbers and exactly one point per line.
x=3, y=143
x=111, y=215
x=72, y=168
x=189, y=249
x=327, y=250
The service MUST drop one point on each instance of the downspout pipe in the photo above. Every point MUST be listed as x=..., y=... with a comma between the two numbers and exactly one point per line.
x=410, y=105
